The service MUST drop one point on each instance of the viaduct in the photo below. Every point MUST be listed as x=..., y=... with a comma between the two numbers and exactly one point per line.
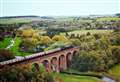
x=54, y=60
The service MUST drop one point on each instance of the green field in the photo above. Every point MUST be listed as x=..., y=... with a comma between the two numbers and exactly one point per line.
x=15, y=47
x=76, y=78
x=14, y=20
x=5, y=42
x=108, y=19
x=115, y=70
x=84, y=32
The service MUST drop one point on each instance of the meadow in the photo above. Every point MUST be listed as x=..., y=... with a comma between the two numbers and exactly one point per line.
x=14, y=20
x=76, y=78
x=15, y=48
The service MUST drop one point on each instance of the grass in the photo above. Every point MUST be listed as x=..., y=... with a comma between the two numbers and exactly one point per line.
x=15, y=48
x=115, y=70
x=89, y=73
x=84, y=32
x=14, y=20
x=76, y=78
x=5, y=42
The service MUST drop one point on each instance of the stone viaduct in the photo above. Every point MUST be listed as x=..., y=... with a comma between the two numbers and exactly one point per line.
x=53, y=60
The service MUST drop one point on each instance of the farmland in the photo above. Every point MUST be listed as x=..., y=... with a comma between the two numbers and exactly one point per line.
x=14, y=20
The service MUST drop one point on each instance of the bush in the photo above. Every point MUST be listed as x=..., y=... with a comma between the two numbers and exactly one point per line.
x=19, y=74
x=1, y=38
x=97, y=36
x=88, y=33
x=54, y=31
x=61, y=38
x=6, y=55
x=48, y=78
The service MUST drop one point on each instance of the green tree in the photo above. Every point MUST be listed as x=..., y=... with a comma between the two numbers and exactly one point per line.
x=6, y=55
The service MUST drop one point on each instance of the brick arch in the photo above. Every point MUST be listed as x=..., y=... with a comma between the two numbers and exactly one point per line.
x=54, y=64
x=35, y=67
x=62, y=62
x=68, y=58
x=75, y=52
x=46, y=64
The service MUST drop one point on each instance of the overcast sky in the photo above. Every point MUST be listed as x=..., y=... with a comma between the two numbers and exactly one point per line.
x=58, y=7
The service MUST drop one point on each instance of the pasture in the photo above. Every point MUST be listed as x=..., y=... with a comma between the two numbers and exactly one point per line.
x=14, y=20
x=76, y=78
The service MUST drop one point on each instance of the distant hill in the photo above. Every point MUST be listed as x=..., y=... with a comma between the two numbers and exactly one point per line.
x=28, y=16
x=17, y=16
x=23, y=19
x=118, y=14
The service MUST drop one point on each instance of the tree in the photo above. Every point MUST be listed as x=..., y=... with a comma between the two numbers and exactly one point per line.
x=116, y=53
x=24, y=74
x=27, y=32
x=45, y=39
x=60, y=38
x=54, y=31
x=6, y=55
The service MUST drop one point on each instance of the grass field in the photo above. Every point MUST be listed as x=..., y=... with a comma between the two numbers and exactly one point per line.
x=5, y=42
x=84, y=32
x=15, y=48
x=108, y=19
x=76, y=78
x=115, y=70
x=14, y=20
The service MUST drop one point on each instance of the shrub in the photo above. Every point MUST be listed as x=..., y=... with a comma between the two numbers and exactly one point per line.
x=1, y=38
x=20, y=74
x=6, y=55
x=61, y=38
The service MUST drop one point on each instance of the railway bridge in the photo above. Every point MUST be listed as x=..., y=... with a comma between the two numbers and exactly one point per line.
x=54, y=60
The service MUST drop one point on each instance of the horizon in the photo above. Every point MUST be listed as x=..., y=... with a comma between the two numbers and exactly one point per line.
x=58, y=8
x=61, y=15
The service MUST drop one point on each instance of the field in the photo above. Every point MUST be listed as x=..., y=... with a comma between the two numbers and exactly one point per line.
x=115, y=70
x=15, y=48
x=84, y=32
x=76, y=78
x=14, y=20
x=108, y=19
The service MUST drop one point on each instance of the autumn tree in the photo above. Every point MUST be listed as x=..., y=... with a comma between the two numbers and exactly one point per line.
x=60, y=38
x=45, y=39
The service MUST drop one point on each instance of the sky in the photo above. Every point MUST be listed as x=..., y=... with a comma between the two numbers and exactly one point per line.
x=58, y=7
